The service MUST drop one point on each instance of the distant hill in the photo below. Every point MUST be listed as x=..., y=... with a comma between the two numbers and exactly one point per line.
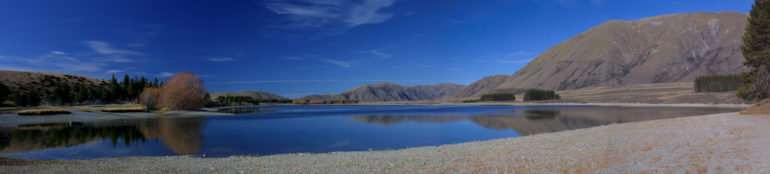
x=484, y=86
x=661, y=49
x=392, y=92
x=257, y=95
x=43, y=81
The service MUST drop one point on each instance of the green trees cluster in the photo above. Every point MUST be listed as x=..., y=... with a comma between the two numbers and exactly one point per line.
x=28, y=98
x=756, y=50
x=5, y=92
x=718, y=83
x=537, y=94
x=498, y=97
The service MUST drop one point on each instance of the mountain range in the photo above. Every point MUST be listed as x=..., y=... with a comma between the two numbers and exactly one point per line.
x=386, y=91
x=256, y=95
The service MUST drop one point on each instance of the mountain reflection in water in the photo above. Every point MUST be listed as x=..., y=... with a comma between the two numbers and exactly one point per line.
x=547, y=120
x=180, y=135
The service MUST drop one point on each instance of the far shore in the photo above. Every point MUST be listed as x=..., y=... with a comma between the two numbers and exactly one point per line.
x=14, y=120
x=697, y=144
x=77, y=116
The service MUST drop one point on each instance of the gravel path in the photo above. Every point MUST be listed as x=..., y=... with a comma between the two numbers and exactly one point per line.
x=720, y=143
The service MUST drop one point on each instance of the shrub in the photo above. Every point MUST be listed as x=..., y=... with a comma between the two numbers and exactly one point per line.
x=183, y=91
x=150, y=98
x=537, y=94
x=718, y=83
x=498, y=97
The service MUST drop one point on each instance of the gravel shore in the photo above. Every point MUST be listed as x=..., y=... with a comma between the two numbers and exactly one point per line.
x=720, y=143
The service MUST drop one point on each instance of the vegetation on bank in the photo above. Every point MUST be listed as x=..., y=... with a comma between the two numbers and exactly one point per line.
x=498, y=97
x=756, y=50
x=63, y=93
x=718, y=83
x=537, y=94
x=183, y=91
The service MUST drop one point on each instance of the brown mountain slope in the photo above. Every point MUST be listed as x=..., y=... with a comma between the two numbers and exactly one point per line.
x=662, y=49
x=23, y=81
x=480, y=87
x=392, y=92
x=257, y=95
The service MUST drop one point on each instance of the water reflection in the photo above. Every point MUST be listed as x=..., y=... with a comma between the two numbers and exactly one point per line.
x=180, y=135
x=548, y=120
x=33, y=137
x=242, y=110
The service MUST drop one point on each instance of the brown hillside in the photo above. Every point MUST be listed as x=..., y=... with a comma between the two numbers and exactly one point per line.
x=662, y=49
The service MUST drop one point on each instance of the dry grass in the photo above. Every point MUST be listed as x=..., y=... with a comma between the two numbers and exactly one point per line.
x=45, y=111
x=761, y=107
x=112, y=108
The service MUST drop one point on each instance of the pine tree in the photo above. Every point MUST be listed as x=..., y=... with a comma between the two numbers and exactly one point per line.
x=4, y=93
x=756, y=50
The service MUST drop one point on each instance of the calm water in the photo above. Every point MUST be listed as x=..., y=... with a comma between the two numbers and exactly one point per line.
x=324, y=128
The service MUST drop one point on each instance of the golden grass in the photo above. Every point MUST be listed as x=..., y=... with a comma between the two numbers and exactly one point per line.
x=112, y=108
x=45, y=111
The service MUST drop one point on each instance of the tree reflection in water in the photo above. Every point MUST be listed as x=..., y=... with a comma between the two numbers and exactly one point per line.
x=180, y=135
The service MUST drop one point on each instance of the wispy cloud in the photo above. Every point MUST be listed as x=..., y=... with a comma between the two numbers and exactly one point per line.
x=105, y=48
x=514, y=61
x=293, y=58
x=380, y=53
x=323, y=13
x=114, y=71
x=519, y=54
x=221, y=59
x=344, y=64
x=166, y=74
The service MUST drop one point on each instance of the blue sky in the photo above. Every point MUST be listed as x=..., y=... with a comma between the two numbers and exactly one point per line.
x=301, y=47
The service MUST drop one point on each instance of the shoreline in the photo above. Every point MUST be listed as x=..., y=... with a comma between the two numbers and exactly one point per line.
x=14, y=120
x=687, y=144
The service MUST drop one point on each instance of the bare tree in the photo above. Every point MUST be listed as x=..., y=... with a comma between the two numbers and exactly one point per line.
x=150, y=98
x=183, y=91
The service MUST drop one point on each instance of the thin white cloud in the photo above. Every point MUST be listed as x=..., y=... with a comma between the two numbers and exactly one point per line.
x=380, y=53
x=320, y=13
x=114, y=71
x=514, y=61
x=166, y=74
x=293, y=58
x=105, y=48
x=221, y=59
x=519, y=53
x=58, y=52
x=344, y=64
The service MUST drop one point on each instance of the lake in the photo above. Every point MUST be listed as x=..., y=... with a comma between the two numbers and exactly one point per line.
x=266, y=130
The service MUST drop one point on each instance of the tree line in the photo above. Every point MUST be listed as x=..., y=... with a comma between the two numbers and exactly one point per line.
x=718, y=83
x=113, y=91
x=537, y=94
x=756, y=51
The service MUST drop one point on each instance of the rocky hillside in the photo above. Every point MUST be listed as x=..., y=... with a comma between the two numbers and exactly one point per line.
x=392, y=92
x=43, y=81
x=661, y=49
x=257, y=95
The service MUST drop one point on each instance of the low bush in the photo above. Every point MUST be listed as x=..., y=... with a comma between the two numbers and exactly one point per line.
x=537, y=94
